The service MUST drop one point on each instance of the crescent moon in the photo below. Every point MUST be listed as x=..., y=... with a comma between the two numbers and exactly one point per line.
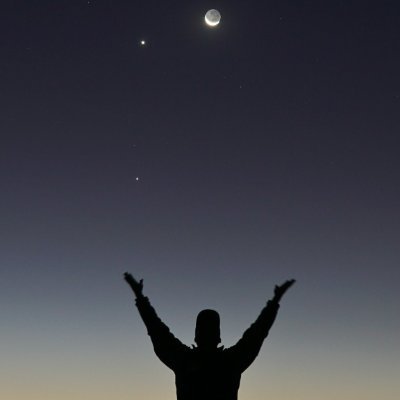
x=212, y=17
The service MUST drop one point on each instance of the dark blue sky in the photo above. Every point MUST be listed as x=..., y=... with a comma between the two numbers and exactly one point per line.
x=265, y=149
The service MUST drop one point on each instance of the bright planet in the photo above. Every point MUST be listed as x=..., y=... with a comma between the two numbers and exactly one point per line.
x=212, y=17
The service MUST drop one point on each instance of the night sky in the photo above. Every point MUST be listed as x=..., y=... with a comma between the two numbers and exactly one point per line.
x=214, y=163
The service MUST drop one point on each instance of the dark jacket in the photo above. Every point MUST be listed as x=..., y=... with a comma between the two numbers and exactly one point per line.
x=206, y=375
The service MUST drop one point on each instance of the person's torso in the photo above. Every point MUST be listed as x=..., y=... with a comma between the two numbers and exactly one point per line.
x=207, y=376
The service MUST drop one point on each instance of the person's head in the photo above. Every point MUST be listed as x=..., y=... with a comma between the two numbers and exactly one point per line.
x=207, y=329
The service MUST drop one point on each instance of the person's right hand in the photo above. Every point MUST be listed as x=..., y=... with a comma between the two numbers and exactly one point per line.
x=136, y=286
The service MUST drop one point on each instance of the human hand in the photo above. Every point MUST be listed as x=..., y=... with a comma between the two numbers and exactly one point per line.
x=136, y=286
x=281, y=290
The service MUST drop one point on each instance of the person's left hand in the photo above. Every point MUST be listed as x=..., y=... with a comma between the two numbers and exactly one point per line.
x=281, y=290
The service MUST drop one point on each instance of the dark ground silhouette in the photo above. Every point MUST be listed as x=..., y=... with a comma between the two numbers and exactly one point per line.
x=206, y=371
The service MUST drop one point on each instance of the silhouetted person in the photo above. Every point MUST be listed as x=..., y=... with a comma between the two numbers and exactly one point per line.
x=206, y=371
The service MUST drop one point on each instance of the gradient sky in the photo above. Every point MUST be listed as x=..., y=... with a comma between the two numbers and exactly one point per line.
x=266, y=149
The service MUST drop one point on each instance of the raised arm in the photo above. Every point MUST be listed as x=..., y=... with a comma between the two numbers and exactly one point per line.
x=247, y=348
x=167, y=347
